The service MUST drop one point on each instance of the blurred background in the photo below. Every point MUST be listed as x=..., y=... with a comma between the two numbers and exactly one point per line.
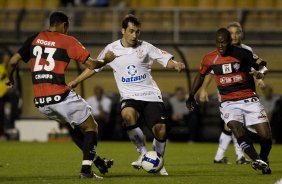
x=185, y=28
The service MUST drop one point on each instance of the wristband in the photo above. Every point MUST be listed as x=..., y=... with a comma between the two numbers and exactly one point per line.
x=263, y=70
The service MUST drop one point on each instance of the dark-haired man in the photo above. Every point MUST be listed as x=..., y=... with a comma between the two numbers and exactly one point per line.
x=240, y=105
x=141, y=98
x=49, y=53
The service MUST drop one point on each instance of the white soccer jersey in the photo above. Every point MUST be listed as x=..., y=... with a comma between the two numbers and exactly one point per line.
x=132, y=70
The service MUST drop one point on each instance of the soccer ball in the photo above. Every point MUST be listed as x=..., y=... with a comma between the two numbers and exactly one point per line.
x=152, y=162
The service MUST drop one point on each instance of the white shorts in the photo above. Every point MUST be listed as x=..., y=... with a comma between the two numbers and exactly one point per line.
x=248, y=111
x=73, y=110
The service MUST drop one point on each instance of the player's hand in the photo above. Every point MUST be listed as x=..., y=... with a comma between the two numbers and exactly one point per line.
x=203, y=96
x=179, y=66
x=257, y=74
x=72, y=85
x=109, y=56
x=191, y=102
x=10, y=83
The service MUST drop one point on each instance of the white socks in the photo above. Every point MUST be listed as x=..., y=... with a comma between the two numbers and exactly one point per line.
x=224, y=141
x=159, y=147
x=238, y=149
x=137, y=138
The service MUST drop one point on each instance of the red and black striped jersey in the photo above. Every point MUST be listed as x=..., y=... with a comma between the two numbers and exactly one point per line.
x=49, y=54
x=231, y=72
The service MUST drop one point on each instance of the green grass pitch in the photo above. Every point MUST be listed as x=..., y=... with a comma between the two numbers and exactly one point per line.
x=59, y=163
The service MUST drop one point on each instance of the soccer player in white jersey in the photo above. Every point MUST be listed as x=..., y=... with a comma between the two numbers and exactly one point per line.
x=226, y=135
x=140, y=96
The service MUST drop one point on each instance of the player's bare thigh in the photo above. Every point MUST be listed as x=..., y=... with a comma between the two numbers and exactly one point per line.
x=263, y=130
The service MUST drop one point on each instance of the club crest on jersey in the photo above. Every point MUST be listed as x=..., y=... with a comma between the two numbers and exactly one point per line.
x=139, y=53
x=132, y=71
x=236, y=67
x=226, y=68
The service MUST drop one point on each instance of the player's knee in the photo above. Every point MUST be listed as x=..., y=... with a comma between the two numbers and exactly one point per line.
x=128, y=119
x=89, y=125
x=159, y=131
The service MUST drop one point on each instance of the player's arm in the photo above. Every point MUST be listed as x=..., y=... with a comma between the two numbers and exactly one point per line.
x=12, y=66
x=87, y=73
x=175, y=65
x=203, y=95
x=92, y=64
x=258, y=65
x=198, y=81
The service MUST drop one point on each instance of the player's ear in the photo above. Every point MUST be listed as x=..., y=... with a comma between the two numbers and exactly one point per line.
x=122, y=31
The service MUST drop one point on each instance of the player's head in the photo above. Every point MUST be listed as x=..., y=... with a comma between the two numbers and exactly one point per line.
x=236, y=32
x=130, y=30
x=59, y=22
x=222, y=40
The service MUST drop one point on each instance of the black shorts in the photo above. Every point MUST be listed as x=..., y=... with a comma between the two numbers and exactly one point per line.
x=151, y=112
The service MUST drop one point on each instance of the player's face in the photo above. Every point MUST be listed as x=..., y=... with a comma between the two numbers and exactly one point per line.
x=236, y=35
x=130, y=35
x=222, y=44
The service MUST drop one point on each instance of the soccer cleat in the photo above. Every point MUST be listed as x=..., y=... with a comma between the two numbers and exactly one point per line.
x=224, y=160
x=266, y=170
x=137, y=164
x=103, y=164
x=89, y=175
x=163, y=172
x=259, y=165
x=243, y=160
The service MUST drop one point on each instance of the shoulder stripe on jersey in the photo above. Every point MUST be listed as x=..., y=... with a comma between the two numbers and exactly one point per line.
x=232, y=88
x=47, y=77
x=215, y=59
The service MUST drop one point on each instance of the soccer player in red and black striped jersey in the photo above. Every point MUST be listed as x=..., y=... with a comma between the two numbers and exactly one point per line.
x=240, y=105
x=49, y=53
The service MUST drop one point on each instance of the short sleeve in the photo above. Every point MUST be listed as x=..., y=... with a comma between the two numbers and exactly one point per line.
x=205, y=66
x=101, y=56
x=251, y=59
x=161, y=56
x=77, y=51
x=24, y=51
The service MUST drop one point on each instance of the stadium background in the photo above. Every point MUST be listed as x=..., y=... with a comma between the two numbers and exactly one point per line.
x=183, y=27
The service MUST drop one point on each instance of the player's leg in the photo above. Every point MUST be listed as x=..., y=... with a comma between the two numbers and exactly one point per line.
x=224, y=141
x=246, y=144
x=102, y=164
x=130, y=116
x=155, y=116
x=243, y=139
x=264, y=131
x=256, y=119
x=75, y=110
x=233, y=114
x=239, y=152
x=90, y=130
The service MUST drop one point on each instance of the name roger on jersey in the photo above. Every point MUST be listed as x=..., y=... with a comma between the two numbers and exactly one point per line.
x=134, y=78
